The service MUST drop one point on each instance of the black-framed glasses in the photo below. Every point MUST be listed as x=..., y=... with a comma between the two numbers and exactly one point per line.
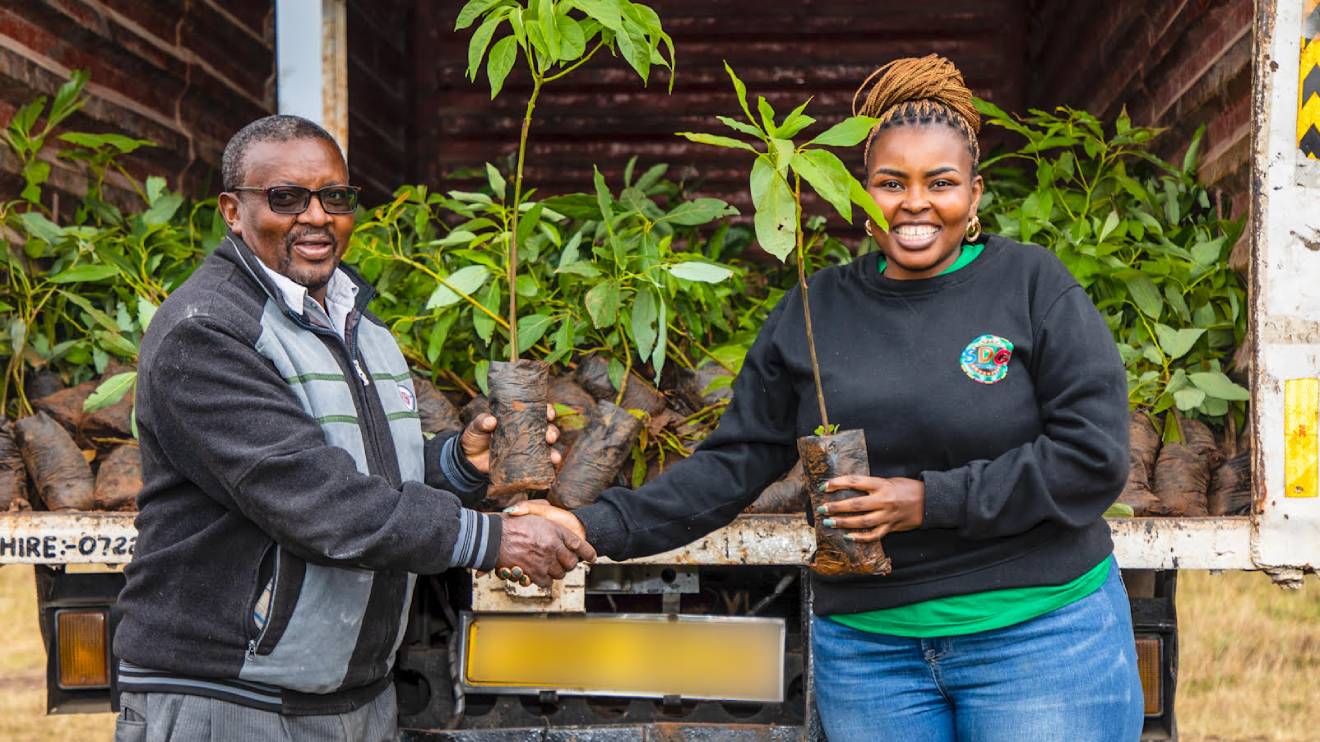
x=335, y=199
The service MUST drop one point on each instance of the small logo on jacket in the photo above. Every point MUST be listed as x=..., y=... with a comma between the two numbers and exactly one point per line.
x=985, y=359
x=406, y=396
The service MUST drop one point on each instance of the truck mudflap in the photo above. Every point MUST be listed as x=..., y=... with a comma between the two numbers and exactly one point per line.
x=657, y=732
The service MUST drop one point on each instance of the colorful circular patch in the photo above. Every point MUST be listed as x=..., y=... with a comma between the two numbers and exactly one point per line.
x=985, y=359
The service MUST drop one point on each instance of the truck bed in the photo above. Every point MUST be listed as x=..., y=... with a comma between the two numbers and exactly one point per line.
x=1139, y=543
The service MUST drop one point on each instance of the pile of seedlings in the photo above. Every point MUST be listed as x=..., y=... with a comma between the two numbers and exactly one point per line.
x=1190, y=478
x=63, y=458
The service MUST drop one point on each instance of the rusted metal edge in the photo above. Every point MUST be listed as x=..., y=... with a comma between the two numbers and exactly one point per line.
x=1139, y=543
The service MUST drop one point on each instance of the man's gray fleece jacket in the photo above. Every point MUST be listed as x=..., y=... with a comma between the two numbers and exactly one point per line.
x=280, y=458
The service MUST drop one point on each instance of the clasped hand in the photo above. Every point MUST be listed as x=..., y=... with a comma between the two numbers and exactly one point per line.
x=889, y=505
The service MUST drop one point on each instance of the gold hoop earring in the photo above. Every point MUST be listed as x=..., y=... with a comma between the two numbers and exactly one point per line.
x=870, y=227
x=973, y=229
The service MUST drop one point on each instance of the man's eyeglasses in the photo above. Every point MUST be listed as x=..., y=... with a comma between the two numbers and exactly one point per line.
x=336, y=199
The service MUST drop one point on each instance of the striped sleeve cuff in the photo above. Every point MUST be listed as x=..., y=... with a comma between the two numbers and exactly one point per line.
x=462, y=475
x=478, y=543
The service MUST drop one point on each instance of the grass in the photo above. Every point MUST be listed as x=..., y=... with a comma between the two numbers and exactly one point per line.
x=1249, y=665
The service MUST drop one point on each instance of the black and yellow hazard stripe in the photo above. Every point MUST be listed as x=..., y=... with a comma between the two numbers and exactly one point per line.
x=1308, y=89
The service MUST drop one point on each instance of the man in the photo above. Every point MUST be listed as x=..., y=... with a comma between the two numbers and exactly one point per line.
x=289, y=497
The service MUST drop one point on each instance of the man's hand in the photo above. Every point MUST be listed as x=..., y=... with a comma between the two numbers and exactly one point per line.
x=540, y=549
x=889, y=505
x=558, y=516
x=476, y=440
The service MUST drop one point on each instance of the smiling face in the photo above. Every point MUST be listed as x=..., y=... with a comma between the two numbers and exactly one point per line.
x=305, y=247
x=921, y=177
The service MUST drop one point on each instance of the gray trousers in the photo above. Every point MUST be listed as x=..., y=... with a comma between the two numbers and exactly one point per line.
x=172, y=717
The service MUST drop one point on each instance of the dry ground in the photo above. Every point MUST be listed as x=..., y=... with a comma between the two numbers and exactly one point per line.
x=1250, y=663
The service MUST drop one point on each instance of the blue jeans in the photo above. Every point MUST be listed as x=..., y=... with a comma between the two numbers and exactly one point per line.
x=1070, y=674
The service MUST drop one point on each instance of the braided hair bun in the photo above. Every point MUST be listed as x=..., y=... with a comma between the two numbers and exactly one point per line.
x=918, y=91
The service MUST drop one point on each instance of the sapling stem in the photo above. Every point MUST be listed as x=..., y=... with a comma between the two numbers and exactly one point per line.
x=806, y=305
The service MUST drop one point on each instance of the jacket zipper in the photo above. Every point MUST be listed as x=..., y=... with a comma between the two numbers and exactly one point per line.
x=254, y=644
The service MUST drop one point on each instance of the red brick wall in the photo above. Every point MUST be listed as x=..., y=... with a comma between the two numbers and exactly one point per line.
x=185, y=74
x=786, y=51
x=1173, y=63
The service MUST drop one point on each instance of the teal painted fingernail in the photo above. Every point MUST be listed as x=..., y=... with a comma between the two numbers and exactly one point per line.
x=828, y=522
x=822, y=486
x=850, y=537
x=823, y=509
x=511, y=508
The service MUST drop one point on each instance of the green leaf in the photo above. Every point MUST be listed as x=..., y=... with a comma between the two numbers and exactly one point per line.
x=643, y=323
x=120, y=143
x=456, y=237
x=162, y=210
x=741, y=127
x=483, y=323
x=85, y=273
x=110, y=391
x=695, y=271
x=794, y=122
x=527, y=286
x=155, y=188
x=146, y=311
x=847, y=133
x=1219, y=386
x=605, y=11
x=1147, y=297
x=827, y=176
x=635, y=51
x=1119, y=510
x=502, y=57
x=661, y=338
x=530, y=330
x=767, y=113
x=699, y=211
x=116, y=343
x=1188, y=399
x=857, y=192
x=1207, y=253
x=717, y=140
x=473, y=10
x=572, y=41
x=1111, y=223
x=776, y=219
x=602, y=303
x=37, y=225
x=467, y=279
x=35, y=173
x=545, y=17
x=1176, y=343
x=481, y=373
x=741, y=90
x=439, y=333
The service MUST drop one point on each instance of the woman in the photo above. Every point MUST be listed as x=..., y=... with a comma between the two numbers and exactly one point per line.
x=995, y=409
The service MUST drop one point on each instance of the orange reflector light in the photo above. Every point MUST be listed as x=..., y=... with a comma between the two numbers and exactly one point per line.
x=1149, y=651
x=81, y=641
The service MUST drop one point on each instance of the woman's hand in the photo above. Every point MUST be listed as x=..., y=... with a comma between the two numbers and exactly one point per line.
x=889, y=505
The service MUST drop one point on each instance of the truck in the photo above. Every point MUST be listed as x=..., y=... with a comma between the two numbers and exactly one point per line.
x=727, y=616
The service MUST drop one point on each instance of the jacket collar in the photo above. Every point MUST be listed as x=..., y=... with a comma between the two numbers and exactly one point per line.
x=235, y=250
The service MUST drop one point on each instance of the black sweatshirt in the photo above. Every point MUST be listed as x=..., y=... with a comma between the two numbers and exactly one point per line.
x=999, y=385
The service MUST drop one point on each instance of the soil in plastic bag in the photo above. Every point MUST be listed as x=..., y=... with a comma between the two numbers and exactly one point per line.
x=519, y=456
x=13, y=474
x=824, y=458
x=60, y=475
x=1144, y=446
x=597, y=456
x=1230, y=485
x=1182, y=472
x=119, y=479
x=787, y=495
x=593, y=375
x=581, y=406
x=66, y=406
x=705, y=386
x=437, y=413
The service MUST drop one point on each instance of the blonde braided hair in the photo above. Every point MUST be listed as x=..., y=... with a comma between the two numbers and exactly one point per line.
x=916, y=91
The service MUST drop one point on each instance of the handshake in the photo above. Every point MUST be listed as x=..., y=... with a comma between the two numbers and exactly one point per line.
x=540, y=543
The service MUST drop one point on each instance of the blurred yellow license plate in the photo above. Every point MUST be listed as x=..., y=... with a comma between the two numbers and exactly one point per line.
x=707, y=657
